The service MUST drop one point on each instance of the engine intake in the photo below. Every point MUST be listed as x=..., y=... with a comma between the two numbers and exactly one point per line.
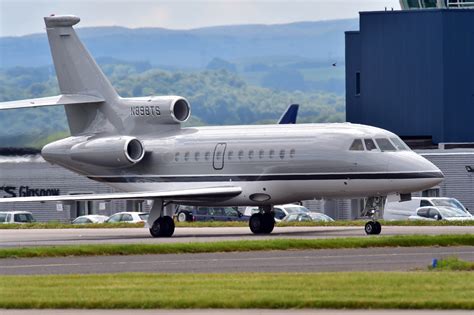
x=113, y=152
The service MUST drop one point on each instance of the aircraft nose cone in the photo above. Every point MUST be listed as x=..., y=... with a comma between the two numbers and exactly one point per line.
x=436, y=176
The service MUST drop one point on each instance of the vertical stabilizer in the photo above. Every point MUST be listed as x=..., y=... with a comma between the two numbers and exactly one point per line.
x=78, y=73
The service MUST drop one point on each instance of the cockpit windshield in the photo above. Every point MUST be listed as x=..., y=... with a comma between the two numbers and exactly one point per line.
x=385, y=145
x=379, y=144
x=399, y=144
x=370, y=144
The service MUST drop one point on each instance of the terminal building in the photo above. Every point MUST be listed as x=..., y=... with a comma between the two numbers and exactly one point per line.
x=409, y=71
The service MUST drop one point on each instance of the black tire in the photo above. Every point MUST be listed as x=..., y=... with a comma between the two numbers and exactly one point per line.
x=370, y=228
x=378, y=228
x=182, y=216
x=162, y=227
x=256, y=223
x=268, y=223
x=155, y=229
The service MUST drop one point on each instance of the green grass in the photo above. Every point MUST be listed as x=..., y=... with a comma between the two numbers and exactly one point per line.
x=237, y=246
x=58, y=225
x=453, y=264
x=359, y=290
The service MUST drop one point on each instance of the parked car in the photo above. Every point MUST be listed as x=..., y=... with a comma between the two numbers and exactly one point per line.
x=199, y=213
x=128, y=217
x=402, y=210
x=316, y=216
x=441, y=213
x=92, y=218
x=281, y=211
x=297, y=217
x=308, y=217
x=19, y=217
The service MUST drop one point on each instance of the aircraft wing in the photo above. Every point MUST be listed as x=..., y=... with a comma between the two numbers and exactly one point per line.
x=210, y=192
x=63, y=99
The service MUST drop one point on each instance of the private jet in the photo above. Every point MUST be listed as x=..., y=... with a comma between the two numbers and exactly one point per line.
x=139, y=147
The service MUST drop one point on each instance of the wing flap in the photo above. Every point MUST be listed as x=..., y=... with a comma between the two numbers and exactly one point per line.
x=63, y=99
x=181, y=194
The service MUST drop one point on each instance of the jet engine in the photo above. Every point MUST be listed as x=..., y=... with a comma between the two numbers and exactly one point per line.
x=113, y=152
x=159, y=109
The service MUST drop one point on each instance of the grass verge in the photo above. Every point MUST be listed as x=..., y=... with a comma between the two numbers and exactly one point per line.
x=57, y=225
x=453, y=264
x=359, y=290
x=237, y=246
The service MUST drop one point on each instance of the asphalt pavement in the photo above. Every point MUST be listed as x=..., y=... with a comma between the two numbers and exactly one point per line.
x=361, y=259
x=41, y=237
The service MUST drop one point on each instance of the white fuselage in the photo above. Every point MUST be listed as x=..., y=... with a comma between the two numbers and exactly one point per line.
x=273, y=164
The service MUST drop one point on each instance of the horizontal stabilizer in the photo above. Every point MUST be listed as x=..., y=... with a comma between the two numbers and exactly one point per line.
x=63, y=99
x=179, y=194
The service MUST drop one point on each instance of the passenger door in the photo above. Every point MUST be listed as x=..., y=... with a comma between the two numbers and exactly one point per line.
x=218, y=159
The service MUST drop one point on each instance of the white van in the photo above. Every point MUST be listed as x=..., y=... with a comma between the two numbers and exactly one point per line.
x=18, y=217
x=395, y=210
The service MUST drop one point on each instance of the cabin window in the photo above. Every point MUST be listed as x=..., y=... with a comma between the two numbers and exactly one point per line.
x=186, y=156
x=230, y=155
x=251, y=154
x=370, y=144
x=385, y=145
x=261, y=154
x=197, y=156
x=292, y=153
x=241, y=154
x=272, y=153
x=282, y=154
x=357, y=145
x=176, y=156
x=207, y=156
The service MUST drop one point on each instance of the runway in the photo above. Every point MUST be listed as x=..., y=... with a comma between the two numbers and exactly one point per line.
x=364, y=259
x=42, y=237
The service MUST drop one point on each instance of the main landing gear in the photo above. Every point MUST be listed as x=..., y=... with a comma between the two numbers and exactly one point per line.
x=262, y=222
x=160, y=224
x=162, y=227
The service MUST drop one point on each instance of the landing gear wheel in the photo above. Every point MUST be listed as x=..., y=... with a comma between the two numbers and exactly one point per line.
x=162, y=227
x=268, y=223
x=378, y=227
x=262, y=223
x=256, y=223
x=373, y=228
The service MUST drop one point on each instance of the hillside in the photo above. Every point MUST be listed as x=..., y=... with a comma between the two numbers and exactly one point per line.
x=296, y=56
x=194, y=48
x=217, y=97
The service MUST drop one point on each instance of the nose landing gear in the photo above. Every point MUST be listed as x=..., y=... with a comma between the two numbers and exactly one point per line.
x=373, y=209
x=373, y=228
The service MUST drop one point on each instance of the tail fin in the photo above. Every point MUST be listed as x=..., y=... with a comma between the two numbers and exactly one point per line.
x=78, y=73
x=290, y=114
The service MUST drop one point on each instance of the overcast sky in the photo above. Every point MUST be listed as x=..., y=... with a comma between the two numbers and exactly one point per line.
x=20, y=17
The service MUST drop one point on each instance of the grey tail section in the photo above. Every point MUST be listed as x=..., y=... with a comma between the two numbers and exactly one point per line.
x=78, y=73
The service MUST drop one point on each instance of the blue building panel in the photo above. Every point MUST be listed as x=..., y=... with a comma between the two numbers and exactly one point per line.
x=416, y=73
